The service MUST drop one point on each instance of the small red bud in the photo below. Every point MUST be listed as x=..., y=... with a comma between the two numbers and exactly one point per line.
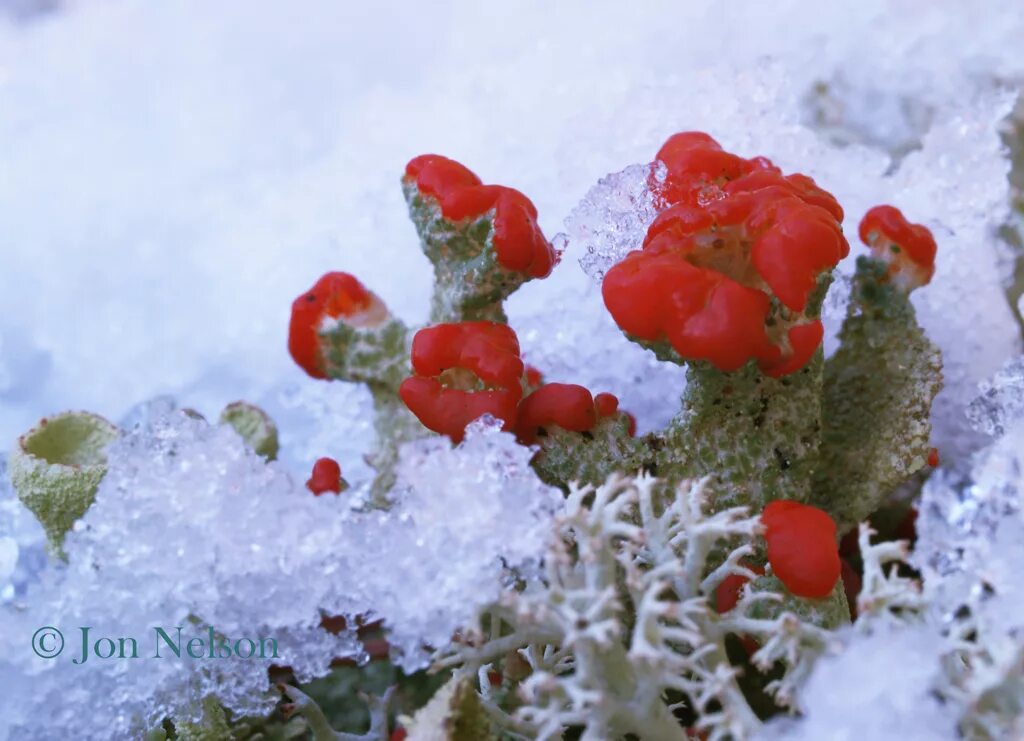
x=802, y=547
x=909, y=249
x=606, y=404
x=326, y=477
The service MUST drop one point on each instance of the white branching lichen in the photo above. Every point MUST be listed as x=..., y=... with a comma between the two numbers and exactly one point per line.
x=619, y=632
x=885, y=596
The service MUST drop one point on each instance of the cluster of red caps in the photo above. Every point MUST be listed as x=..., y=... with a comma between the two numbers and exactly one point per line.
x=466, y=370
x=731, y=235
x=518, y=242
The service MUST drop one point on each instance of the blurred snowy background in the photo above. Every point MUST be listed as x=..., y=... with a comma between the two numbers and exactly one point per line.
x=173, y=174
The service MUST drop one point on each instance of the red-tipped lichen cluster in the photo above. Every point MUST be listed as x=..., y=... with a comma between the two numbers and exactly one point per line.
x=335, y=296
x=907, y=249
x=728, y=267
x=518, y=242
x=466, y=370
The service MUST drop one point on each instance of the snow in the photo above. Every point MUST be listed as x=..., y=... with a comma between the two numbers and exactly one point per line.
x=861, y=687
x=190, y=528
x=22, y=543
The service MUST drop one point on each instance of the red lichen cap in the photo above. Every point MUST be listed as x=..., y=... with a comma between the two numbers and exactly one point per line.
x=699, y=171
x=606, y=404
x=564, y=405
x=464, y=371
x=658, y=294
x=727, y=594
x=734, y=235
x=804, y=340
x=802, y=547
x=448, y=411
x=696, y=167
x=326, y=477
x=333, y=296
x=436, y=175
x=519, y=244
x=908, y=249
x=488, y=349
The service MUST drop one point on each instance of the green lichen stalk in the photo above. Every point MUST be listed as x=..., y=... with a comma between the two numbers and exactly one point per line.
x=378, y=357
x=470, y=284
x=757, y=436
x=591, y=457
x=879, y=388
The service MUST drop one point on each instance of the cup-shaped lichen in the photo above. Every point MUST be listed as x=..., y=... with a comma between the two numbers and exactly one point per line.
x=254, y=425
x=57, y=466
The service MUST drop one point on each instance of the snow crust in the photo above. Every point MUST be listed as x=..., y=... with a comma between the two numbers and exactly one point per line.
x=192, y=529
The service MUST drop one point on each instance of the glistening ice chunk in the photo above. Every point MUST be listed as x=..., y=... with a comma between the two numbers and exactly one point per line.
x=612, y=219
x=956, y=184
x=963, y=520
x=969, y=550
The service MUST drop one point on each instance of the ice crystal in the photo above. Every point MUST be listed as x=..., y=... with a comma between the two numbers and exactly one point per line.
x=613, y=217
x=970, y=548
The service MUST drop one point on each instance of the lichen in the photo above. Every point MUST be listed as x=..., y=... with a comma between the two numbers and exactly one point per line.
x=57, y=466
x=879, y=388
x=254, y=425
